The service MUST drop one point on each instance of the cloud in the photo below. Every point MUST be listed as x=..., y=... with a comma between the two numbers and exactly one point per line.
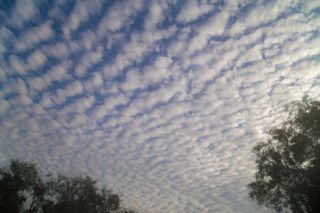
x=262, y=14
x=133, y=81
x=309, y=5
x=58, y=50
x=24, y=100
x=164, y=98
x=156, y=14
x=36, y=60
x=4, y=106
x=108, y=106
x=23, y=11
x=34, y=36
x=88, y=60
x=118, y=16
x=95, y=82
x=83, y=104
x=215, y=25
x=198, y=42
x=158, y=71
x=58, y=72
x=81, y=13
x=192, y=10
x=17, y=64
x=72, y=89
x=6, y=37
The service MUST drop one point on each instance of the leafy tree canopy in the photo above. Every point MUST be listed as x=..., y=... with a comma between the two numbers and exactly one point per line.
x=288, y=162
x=23, y=191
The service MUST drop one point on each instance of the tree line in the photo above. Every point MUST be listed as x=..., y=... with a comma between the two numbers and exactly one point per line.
x=22, y=190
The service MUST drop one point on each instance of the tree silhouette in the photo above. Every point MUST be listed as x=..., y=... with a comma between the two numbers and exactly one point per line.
x=288, y=163
x=20, y=184
x=23, y=191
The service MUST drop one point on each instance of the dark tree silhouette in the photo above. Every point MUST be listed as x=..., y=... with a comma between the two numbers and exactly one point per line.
x=23, y=191
x=20, y=184
x=288, y=163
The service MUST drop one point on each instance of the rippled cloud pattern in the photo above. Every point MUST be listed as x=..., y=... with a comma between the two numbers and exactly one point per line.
x=160, y=100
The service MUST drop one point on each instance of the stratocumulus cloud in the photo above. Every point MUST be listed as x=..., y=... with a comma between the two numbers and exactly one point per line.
x=160, y=100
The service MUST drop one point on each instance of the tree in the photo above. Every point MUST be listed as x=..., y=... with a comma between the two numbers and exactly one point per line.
x=20, y=184
x=23, y=191
x=288, y=162
x=79, y=194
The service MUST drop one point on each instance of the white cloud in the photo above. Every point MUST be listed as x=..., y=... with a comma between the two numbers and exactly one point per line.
x=83, y=104
x=108, y=106
x=81, y=13
x=74, y=88
x=88, y=60
x=133, y=81
x=250, y=55
x=36, y=60
x=310, y=5
x=262, y=13
x=192, y=10
x=37, y=83
x=156, y=14
x=24, y=100
x=63, y=94
x=6, y=37
x=215, y=25
x=33, y=125
x=119, y=16
x=158, y=71
x=34, y=36
x=78, y=120
x=46, y=101
x=88, y=38
x=17, y=64
x=2, y=48
x=24, y=10
x=171, y=111
x=38, y=109
x=58, y=50
x=198, y=42
x=58, y=72
x=95, y=82
x=4, y=106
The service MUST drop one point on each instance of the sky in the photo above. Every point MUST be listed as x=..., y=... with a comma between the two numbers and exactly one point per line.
x=161, y=101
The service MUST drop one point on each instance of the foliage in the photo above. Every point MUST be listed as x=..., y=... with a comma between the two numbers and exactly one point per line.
x=23, y=191
x=18, y=183
x=288, y=163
